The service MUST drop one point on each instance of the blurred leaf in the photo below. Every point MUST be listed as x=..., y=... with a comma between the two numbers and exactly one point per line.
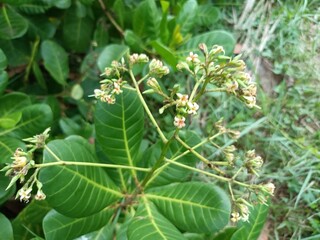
x=55, y=61
x=187, y=16
x=149, y=224
x=77, y=30
x=146, y=19
x=113, y=52
x=6, y=228
x=101, y=35
x=251, y=230
x=39, y=75
x=10, y=120
x=165, y=52
x=119, y=10
x=64, y=4
x=17, y=51
x=103, y=233
x=218, y=37
x=4, y=77
x=78, y=191
x=4, y=182
x=35, y=119
x=225, y=234
x=207, y=15
x=33, y=7
x=73, y=127
x=12, y=24
x=76, y=92
x=193, y=206
x=7, y=147
x=42, y=26
x=133, y=41
x=30, y=219
x=3, y=60
x=57, y=226
x=119, y=128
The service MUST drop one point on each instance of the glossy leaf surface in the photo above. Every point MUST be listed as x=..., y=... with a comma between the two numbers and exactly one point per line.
x=6, y=228
x=113, y=52
x=77, y=191
x=193, y=207
x=149, y=224
x=119, y=128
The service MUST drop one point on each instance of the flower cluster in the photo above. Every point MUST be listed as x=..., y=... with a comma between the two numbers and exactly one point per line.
x=157, y=68
x=138, y=58
x=240, y=211
x=252, y=162
x=108, y=90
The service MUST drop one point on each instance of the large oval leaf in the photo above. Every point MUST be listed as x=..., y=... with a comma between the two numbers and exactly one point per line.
x=251, y=230
x=218, y=37
x=119, y=128
x=193, y=206
x=111, y=53
x=12, y=24
x=187, y=16
x=149, y=224
x=76, y=191
x=57, y=226
x=6, y=228
x=55, y=60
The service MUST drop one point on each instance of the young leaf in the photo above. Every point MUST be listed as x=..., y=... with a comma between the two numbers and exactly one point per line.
x=165, y=53
x=207, y=15
x=149, y=224
x=193, y=206
x=187, y=16
x=57, y=226
x=119, y=128
x=55, y=61
x=251, y=230
x=12, y=24
x=218, y=37
x=77, y=30
x=77, y=191
x=6, y=228
x=111, y=53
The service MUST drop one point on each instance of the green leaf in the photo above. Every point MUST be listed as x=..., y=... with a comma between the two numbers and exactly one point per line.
x=110, y=53
x=119, y=10
x=30, y=219
x=77, y=31
x=149, y=224
x=170, y=173
x=41, y=26
x=13, y=102
x=7, y=147
x=55, y=61
x=76, y=191
x=10, y=120
x=33, y=7
x=63, y=4
x=57, y=226
x=3, y=60
x=207, y=15
x=165, y=52
x=12, y=24
x=119, y=128
x=101, y=35
x=103, y=233
x=6, y=228
x=4, y=77
x=187, y=16
x=146, y=19
x=4, y=182
x=35, y=119
x=193, y=206
x=17, y=51
x=225, y=234
x=218, y=37
x=75, y=127
x=251, y=230
x=133, y=41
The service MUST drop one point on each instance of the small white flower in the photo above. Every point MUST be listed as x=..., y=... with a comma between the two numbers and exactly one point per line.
x=269, y=187
x=235, y=217
x=250, y=101
x=98, y=93
x=192, y=108
x=179, y=122
x=108, y=98
x=25, y=194
x=117, y=90
x=193, y=57
x=40, y=195
x=183, y=100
